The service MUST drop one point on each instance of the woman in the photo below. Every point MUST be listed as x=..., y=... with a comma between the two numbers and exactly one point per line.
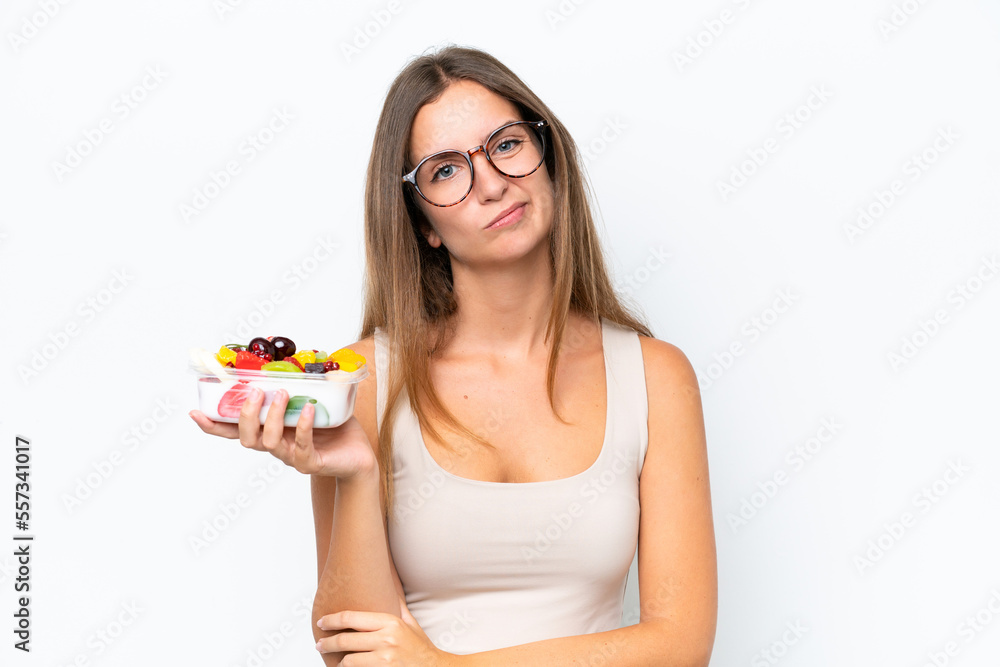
x=520, y=431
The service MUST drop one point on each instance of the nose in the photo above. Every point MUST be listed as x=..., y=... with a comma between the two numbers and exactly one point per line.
x=489, y=182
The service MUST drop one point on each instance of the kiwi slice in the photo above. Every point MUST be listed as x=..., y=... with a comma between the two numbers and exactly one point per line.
x=295, y=404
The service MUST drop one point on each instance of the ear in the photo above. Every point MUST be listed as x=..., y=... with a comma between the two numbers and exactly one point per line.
x=433, y=240
x=419, y=216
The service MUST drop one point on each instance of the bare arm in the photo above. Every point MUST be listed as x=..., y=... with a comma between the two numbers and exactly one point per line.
x=355, y=568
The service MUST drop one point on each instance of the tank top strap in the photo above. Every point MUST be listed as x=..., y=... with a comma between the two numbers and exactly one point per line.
x=381, y=374
x=627, y=380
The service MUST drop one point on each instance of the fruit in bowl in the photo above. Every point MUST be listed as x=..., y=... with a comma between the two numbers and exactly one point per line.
x=328, y=381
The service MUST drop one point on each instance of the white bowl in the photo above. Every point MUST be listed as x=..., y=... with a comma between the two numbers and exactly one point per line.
x=221, y=393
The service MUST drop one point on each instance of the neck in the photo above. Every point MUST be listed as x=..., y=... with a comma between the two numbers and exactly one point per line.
x=503, y=310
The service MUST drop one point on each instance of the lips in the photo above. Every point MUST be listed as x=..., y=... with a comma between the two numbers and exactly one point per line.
x=504, y=214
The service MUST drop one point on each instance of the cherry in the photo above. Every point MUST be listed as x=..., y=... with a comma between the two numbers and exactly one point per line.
x=262, y=347
x=282, y=348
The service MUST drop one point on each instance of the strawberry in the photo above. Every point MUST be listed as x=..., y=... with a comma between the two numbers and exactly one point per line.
x=248, y=360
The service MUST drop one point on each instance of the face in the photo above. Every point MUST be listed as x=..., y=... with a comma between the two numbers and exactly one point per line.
x=463, y=117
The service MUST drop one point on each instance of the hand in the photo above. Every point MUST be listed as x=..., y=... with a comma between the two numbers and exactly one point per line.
x=343, y=452
x=375, y=638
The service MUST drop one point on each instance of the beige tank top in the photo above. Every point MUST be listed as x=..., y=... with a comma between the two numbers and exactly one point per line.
x=485, y=565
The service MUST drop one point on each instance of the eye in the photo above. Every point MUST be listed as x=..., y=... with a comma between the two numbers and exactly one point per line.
x=507, y=145
x=444, y=171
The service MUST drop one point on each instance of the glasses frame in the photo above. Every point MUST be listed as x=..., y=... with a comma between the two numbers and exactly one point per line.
x=539, y=125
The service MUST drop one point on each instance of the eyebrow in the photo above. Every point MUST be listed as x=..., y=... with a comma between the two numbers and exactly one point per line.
x=506, y=122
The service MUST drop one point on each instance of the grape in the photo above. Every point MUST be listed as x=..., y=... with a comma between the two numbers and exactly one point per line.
x=282, y=347
x=262, y=347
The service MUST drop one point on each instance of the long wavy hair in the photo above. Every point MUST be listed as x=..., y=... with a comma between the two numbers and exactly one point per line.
x=408, y=289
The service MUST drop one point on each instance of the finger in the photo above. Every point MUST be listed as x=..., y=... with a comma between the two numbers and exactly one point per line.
x=303, y=449
x=365, y=621
x=274, y=426
x=348, y=641
x=249, y=423
x=221, y=429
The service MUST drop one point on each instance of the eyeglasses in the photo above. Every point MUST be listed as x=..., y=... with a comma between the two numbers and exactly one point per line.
x=515, y=150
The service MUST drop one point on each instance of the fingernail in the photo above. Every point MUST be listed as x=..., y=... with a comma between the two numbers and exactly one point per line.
x=318, y=648
x=256, y=393
x=319, y=623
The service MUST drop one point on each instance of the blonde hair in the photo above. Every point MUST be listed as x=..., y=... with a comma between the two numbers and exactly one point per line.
x=408, y=291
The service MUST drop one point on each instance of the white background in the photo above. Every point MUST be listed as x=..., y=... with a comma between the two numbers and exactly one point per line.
x=662, y=135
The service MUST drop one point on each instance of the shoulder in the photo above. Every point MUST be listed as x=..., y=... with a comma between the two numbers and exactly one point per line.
x=673, y=397
x=667, y=365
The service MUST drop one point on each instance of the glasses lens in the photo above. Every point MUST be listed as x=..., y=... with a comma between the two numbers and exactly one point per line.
x=516, y=150
x=444, y=179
